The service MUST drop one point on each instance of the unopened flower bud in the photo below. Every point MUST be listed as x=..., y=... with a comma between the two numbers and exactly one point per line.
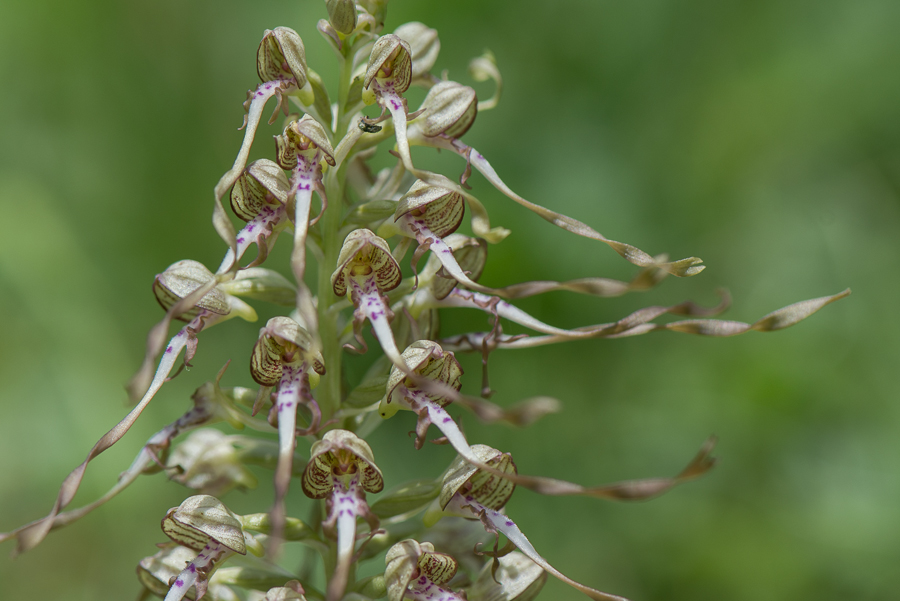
x=449, y=109
x=377, y=10
x=291, y=591
x=516, y=579
x=306, y=137
x=424, y=44
x=262, y=284
x=208, y=462
x=342, y=15
x=261, y=183
x=202, y=519
x=182, y=278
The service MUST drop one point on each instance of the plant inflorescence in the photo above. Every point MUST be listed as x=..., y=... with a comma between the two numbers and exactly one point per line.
x=359, y=226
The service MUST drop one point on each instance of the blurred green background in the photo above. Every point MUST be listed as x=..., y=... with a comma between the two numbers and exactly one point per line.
x=761, y=136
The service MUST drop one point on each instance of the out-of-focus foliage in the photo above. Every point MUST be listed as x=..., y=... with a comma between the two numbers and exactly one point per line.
x=761, y=136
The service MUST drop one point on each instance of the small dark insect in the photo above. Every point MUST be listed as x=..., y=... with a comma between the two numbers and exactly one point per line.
x=369, y=128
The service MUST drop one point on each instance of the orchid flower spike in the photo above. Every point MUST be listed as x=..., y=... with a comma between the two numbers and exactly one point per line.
x=469, y=492
x=415, y=571
x=204, y=524
x=284, y=356
x=259, y=197
x=302, y=149
x=281, y=65
x=367, y=269
x=342, y=470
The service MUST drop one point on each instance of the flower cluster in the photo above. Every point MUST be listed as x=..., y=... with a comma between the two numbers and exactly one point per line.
x=358, y=227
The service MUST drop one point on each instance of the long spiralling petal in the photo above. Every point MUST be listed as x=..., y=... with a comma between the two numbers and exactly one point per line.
x=34, y=534
x=682, y=268
x=501, y=308
x=146, y=458
x=637, y=324
x=257, y=102
x=499, y=522
x=430, y=412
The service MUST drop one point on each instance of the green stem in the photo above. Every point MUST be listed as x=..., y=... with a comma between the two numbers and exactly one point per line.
x=329, y=395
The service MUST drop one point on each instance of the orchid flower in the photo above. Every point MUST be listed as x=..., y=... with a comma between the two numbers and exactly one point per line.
x=447, y=112
x=281, y=65
x=427, y=214
x=415, y=571
x=425, y=361
x=207, y=408
x=367, y=269
x=302, y=148
x=204, y=524
x=342, y=470
x=469, y=256
x=469, y=492
x=182, y=281
x=432, y=381
x=388, y=76
x=283, y=356
x=259, y=197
